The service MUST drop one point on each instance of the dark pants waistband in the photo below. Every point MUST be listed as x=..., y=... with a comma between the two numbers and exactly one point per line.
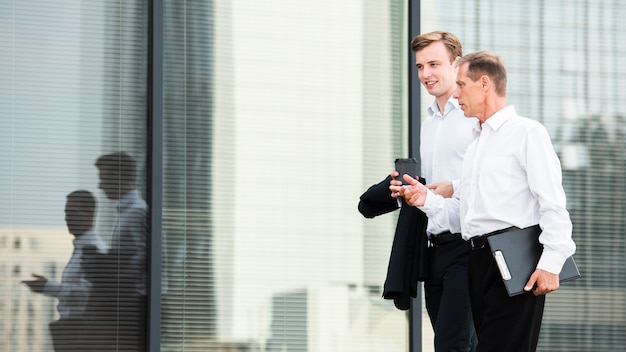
x=443, y=238
x=479, y=242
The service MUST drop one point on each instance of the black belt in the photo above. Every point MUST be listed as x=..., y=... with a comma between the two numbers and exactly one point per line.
x=479, y=242
x=443, y=238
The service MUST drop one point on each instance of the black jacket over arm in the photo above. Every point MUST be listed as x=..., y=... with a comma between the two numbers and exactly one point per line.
x=408, y=261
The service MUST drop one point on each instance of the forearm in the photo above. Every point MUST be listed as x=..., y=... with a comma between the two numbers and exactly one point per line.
x=443, y=212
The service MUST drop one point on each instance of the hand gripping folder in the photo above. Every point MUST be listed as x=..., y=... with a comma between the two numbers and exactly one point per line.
x=517, y=253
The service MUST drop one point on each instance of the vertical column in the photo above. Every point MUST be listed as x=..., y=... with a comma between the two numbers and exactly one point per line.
x=415, y=313
x=155, y=170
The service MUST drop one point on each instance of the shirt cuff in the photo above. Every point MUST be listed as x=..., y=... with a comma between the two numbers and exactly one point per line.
x=551, y=261
x=432, y=202
x=455, y=185
x=52, y=288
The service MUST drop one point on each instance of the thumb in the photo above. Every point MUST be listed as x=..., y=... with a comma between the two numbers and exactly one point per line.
x=531, y=282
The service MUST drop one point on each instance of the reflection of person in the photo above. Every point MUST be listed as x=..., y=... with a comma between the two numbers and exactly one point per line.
x=118, y=173
x=119, y=292
x=445, y=135
x=511, y=178
x=73, y=290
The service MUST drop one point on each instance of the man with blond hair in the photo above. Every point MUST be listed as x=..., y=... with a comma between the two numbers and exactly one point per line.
x=445, y=135
x=511, y=179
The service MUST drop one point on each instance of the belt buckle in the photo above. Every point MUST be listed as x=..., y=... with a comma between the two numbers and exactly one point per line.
x=431, y=243
x=474, y=245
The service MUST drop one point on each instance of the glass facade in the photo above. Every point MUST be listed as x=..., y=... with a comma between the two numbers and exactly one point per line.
x=563, y=62
x=73, y=87
x=262, y=248
x=276, y=115
x=263, y=102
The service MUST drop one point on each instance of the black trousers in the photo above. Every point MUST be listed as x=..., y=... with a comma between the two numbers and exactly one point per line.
x=447, y=298
x=503, y=323
x=65, y=335
x=116, y=325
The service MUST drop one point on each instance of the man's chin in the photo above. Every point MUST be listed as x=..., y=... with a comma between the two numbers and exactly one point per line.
x=432, y=92
x=112, y=196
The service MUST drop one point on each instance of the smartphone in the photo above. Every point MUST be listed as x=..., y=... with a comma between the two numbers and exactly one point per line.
x=407, y=166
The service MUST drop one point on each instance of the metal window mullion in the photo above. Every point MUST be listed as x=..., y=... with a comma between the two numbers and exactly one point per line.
x=155, y=171
x=414, y=108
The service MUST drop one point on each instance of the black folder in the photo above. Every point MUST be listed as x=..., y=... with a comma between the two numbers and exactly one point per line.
x=517, y=253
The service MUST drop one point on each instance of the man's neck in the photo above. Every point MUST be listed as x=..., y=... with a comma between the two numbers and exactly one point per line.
x=492, y=108
x=441, y=103
x=79, y=234
x=123, y=193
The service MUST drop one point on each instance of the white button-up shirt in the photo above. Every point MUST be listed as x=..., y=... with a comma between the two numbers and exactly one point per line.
x=511, y=177
x=130, y=240
x=443, y=142
x=73, y=290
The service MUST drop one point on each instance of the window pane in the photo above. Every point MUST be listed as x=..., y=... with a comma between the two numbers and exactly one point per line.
x=278, y=115
x=564, y=69
x=73, y=87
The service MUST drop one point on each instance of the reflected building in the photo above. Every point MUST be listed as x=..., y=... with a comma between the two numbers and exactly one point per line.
x=26, y=315
x=276, y=116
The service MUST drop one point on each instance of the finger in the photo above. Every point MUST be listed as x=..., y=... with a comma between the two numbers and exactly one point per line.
x=410, y=180
x=395, y=182
x=546, y=285
x=531, y=282
x=539, y=290
x=395, y=191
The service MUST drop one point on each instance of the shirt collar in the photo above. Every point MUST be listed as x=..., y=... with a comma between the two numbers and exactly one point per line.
x=451, y=104
x=496, y=120
x=127, y=199
x=84, y=239
x=500, y=117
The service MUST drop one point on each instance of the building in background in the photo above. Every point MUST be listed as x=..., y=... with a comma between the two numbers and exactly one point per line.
x=276, y=116
x=26, y=251
x=564, y=69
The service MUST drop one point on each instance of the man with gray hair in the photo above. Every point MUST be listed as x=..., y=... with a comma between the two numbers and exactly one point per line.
x=512, y=179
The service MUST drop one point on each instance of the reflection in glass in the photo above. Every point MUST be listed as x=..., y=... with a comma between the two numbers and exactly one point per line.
x=268, y=108
x=73, y=88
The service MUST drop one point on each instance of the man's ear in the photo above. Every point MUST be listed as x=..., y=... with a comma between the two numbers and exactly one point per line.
x=484, y=81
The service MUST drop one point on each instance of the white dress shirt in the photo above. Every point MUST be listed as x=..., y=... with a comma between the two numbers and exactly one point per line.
x=73, y=290
x=511, y=177
x=130, y=240
x=443, y=142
